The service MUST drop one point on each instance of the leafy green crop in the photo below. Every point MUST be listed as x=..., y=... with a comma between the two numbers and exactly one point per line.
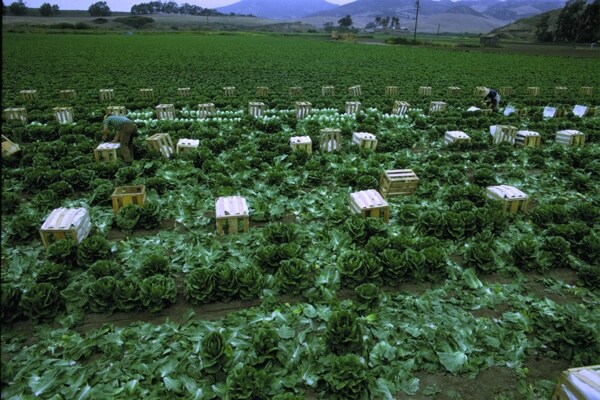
x=344, y=333
x=199, y=286
x=157, y=292
x=41, y=302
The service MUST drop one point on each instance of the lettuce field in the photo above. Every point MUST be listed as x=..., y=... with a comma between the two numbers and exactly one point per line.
x=452, y=298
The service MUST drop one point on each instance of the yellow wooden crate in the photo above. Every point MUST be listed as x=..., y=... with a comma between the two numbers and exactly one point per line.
x=369, y=203
x=513, y=200
x=9, y=148
x=301, y=143
x=162, y=143
x=398, y=182
x=232, y=214
x=126, y=195
x=66, y=223
x=578, y=384
x=106, y=152
x=392, y=90
x=16, y=114
x=106, y=94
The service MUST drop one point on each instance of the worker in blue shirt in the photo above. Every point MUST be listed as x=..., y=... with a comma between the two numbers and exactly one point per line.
x=126, y=130
x=492, y=97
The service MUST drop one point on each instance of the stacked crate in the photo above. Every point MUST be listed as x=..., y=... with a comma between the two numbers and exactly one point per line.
x=364, y=140
x=64, y=115
x=162, y=143
x=353, y=107
x=106, y=152
x=185, y=145
x=331, y=139
x=570, y=137
x=106, y=94
x=256, y=109
x=262, y=91
x=116, y=110
x=231, y=212
x=229, y=91
x=369, y=203
x=303, y=108
x=16, y=114
x=437, y=106
x=184, y=91
x=205, y=109
x=456, y=137
x=147, y=94
x=400, y=107
x=503, y=133
x=66, y=223
x=512, y=198
x=165, y=111
x=29, y=95
x=528, y=139
x=398, y=182
x=301, y=143
x=126, y=195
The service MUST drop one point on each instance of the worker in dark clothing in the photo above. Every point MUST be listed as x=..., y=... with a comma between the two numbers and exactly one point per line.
x=126, y=130
x=492, y=98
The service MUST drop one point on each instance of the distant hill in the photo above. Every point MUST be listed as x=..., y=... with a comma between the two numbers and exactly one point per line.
x=512, y=10
x=525, y=28
x=277, y=9
x=464, y=10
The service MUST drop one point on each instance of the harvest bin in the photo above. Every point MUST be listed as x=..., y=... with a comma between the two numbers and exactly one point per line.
x=512, y=198
x=232, y=214
x=369, y=203
x=9, y=148
x=398, y=182
x=578, y=383
x=301, y=143
x=66, y=223
x=126, y=195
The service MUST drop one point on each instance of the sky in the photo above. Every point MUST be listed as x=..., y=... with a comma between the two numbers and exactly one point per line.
x=125, y=5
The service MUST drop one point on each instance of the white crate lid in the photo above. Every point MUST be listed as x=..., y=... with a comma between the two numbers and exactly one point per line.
x=231, y=206
x=64, y=218
x=457, y=134
x=300, y=139
x=368, y=199
x=570, y=132
x=527, y=133
x=508, y=192
x=108, y=146
x=363, y=136
x=188, y=142
x=580, y=110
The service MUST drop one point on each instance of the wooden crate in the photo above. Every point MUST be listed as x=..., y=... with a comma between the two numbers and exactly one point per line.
x=355, y=90
x=369, y=203
x=528, y=139
x=400, y=107
x=454, y=90
x=456, y=136
x=560, y=90
x=262, y=91
x=66, y=223
x=328, y=91
x=64, y=115
x=303, y=108
x=106, y=152
x=165, y=111
x=161, y=142
x=184, y=91
x=425, y=90
x=229, y=91
x=506, y=91
x=331, y=139
x=295, y=91
x=392, y=90
x=116, y=110
x=231, y=212
x=29, y=95
x=533, y=91
x=67, y=94
x=301, y=143
x=437, y=106
x=256, y=108
x=512, y=198
x=185, y=145
x=106, y=94
x=508, y=110
x=503, y=133
x=147, y=93
x=9, y=148
x=364, y=140
x=578, y=383
x=205, y=109
x=398, y=182
x=586, y=90
x=353, y=107
x=480, y=91
x=570, y=137
x=16, y=114
x=126, y=195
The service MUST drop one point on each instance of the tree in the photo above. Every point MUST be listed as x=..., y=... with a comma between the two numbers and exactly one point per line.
x=99, y=9
x=377, y=21
x=18, y=8
x=543, y=32
x=570, y=20
x=385, y=21
x=395, y=22
x=591, y=23
x=47, y=10
x=346, y=22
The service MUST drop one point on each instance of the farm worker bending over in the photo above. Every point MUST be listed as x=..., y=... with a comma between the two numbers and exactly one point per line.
x=493, y=97
x=126, y=130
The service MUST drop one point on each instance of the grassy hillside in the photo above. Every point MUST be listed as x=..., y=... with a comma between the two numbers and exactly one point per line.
x=525, y=28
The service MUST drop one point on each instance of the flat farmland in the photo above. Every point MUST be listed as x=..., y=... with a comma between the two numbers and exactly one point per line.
x=453, y=297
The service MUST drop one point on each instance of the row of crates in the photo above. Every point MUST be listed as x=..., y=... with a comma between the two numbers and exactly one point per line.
x=356, y=90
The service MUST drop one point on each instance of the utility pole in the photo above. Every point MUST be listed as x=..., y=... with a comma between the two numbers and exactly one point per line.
x=416, y=21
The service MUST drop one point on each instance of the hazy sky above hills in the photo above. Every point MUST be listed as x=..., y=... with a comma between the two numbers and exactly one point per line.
x=120, y=5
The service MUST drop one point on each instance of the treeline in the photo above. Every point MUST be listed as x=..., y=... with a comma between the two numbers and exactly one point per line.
x=578, y=21
x=171, y=7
